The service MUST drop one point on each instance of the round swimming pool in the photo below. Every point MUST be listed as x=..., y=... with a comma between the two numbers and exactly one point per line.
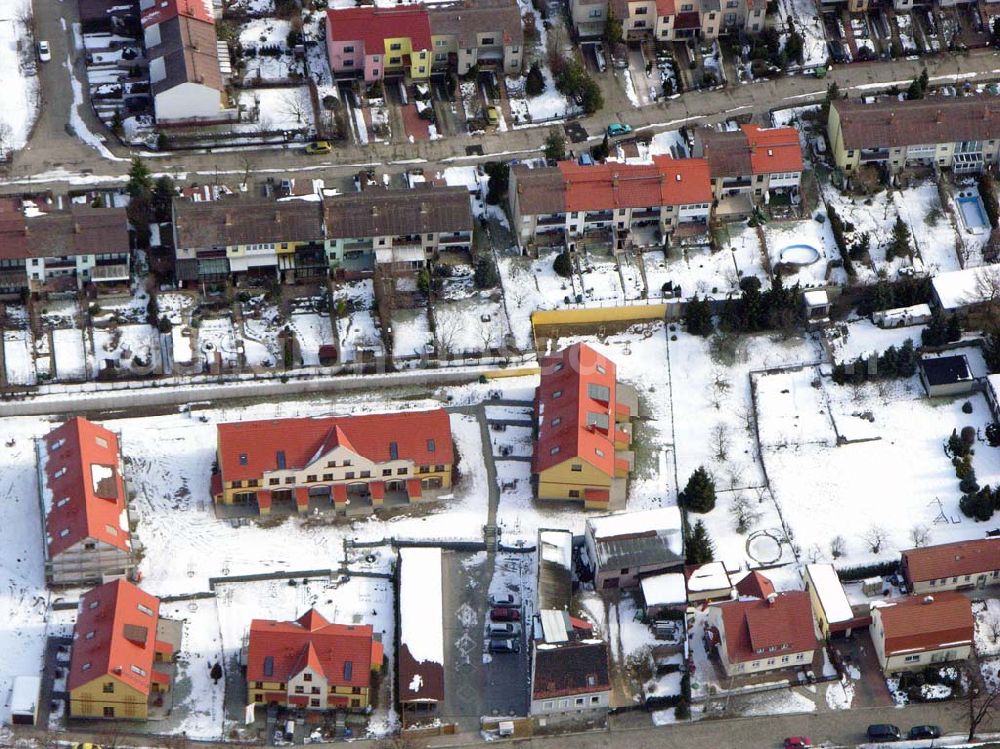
x=799, y=254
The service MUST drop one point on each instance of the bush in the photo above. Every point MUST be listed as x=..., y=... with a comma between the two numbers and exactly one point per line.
x=683, y=710
x=563, y=265
x=987, y=191
x=881, y=569
x=966, y=408
x=486, y=275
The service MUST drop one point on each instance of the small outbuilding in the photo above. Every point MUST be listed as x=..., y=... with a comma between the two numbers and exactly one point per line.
x=708, y=582
x=24, y=698
x=946, y=375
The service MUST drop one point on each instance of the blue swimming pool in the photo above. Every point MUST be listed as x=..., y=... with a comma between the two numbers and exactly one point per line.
x=972, y=210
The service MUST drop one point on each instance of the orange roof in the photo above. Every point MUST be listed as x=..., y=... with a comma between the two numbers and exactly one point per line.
x=248, y=449
x=783, y=622
x=665, y=7
x=774, y=149
x=666, y=181
x=344, y=654
x=164, y=10
x=926, y=622
x=755, y=585
x=85, y=491
x=951, y=560
x=371, y=26
x=115, y=635
x=565, y=404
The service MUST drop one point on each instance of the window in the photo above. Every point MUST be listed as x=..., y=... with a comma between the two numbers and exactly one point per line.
x=314, y=702
x=912, y=658
x=401, y=471
x=60, y=472
x=597, y=13
x=101, y=442
x=547, y=705
x=641, y=11
x=349, y=475
x=574, y=493
x=554, y=450
x=273, y=482
x=439, y=467
x=93, y=604
x=109, y=687
x=347, y=462
x=488, y=41
x=311, y=478
x=366, y=474
x=597, y=419
x=90, y=635
x=557, y=421
x=329, y=477
x=394, y=60
x=300, y=689
x=61, y=441
x=63, y=533
x=386, y=471
x=237, y=484
x=62, y=502
x=307, y=676
x=577, y=467
x=393, y=451
x=289, y=479
x=601, y=370
x=144, y=609
x=138, y=670
x=595, y=700
x=424, y=469
x=430, y=446
x=244, y=460
x=348, y=49
x=579, y=700
x=599, y=392
x=557, y=394
x=252, y=482
x=258, y=685
x=314, y=690
x=109, y=712
x=395, y=47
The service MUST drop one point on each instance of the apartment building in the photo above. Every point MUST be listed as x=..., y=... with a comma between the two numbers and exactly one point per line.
x=957, y=133
x=63, y=251
x=84, y=504
x=487, y=33
x=614, y=206
x=397, y=229
x=364, y=461
x=376, y=43
x=311, y=664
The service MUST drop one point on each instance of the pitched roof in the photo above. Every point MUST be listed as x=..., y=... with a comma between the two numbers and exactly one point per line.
x=344, y=654
x=80, y=231
x=891, y=123
x=236, y=221
x=638, y=539
x=573, y=668
x=189, y=48
x=468, y=19
x=84, y=488
x=248, y=449
x=565, y=401
x=372, y=25
x=164, y=10
x=751, y=150
x=783, y=621
x=951, y=560
x=123, y=643
x=540, y=190
x=755, y=585
x=377, y=212
x=666, y=181
x=925, y=622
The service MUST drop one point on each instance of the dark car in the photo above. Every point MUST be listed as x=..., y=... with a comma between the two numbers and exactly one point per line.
x=882, y=732
x=504, y=645
x=925, y=732
x=505, y=614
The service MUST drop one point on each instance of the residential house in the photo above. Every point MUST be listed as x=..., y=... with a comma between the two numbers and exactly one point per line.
x=589, y=18
x=901, y=317
x=757, y=635
x=555, y=569
x=487, y=33
x=373, y=42
x=569, y=672
x=122, y=655
x=333, y=462
x=399, y=230
x=708, y=582
x=311, y=664
x=624, y=548
x=420, y=660
x=961, y=565
x=751, y=165
x=187, y=62
x=236, y=238
x=63, y=251
x=84, y=505
x=583, y=429
x=957, y=133
x=833, y=611
x=637, y=17
x=610, y=206
x=967, y=292
x=679, y=20
x=923, y=630
x=946, y=375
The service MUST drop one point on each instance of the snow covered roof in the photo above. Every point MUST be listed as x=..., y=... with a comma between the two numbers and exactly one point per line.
x=555, y=577
x=711, y=576
x=961, y=288
x=816, y=297
x=556, y=546
x=661, y=519
x=24, y=695
x=829, y=592
x=664, y=590
x=555, y=627
x=421, y=625
x=637, y=539
x=903, y=313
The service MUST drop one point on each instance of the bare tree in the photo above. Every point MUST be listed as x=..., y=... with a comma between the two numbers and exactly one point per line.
x=6, y=138
x=293, y=106
x=814, y=554
x=720, y=386
x=981, y=696
x=447, y=333
x=920, y=534
x=987, y=285
x=746, y=416
x=744, y=513
x=875, y=538
x=991, y=622
x=837, y=546
x=720, y=441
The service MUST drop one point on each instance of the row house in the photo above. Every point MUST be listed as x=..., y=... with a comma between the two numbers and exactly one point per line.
x=957, y=133
x=487, y=33
x=912, y=633
x=84, y=505
x=123, y=652
x=617, y=206
x=376, y=43
x=752, y=163
x=63, y=251
x=311, y=664
x=671, y=20
x=583, y=428
x=962, y=565
x=397, y=229
x=229, y=239
x=361, y=461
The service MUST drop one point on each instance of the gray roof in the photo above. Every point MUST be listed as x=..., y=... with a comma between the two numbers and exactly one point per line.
x=938, y=119
x=236, y=221
x=555, y=580
x=541, y=190
x=646, y=549
x=190, y=54
x=466, y=20
x=377, y=212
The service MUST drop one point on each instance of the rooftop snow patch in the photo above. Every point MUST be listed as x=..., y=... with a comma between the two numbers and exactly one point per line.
x=661, y=519
x=664, y=590
x=711, y=576
x=830, y=592
x=557, y=547
x=961, y=288
x=421, y=628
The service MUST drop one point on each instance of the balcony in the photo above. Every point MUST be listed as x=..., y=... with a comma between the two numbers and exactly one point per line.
x=551, y=220
x=104, y=273
x=874, y=154
x=595, y=216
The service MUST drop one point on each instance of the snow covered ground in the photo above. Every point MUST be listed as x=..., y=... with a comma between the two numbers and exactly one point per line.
x=17, y=357
x=70, y=355
x=18, y=76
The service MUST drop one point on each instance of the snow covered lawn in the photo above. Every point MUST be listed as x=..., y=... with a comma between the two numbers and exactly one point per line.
x=470, y=325
x=312, y=330
x=17, y=76
x=127, y=346
x=411, y=335
x=71, y=358
x=17, y=357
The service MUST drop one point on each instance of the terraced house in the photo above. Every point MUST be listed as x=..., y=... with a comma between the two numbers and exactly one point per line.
x=610, y=206
x=672, y=20
x=352, y=463
x=957, y=133
x=374, y=43
x=311, y=664
x=487, y=33
x=582, y=420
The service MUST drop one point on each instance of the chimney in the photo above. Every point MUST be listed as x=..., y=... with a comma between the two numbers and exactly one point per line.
x=229, y=218
x=374, y=211
x=771, y=599
x=927, y=600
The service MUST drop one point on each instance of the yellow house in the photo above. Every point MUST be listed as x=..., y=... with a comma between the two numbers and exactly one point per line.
x=122, y=651
x=582, y=418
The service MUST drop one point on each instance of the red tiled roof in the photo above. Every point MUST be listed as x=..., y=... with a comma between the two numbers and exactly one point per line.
x=951, y=560
x=926, y=622
x=784, y=622
x=755, y=585
x=124, y=637
x=312, y=641
x=569, y=373
x=247, y=449
x=774, y=149
x=87, y=491
x=665, y=7
x=164, y=10
x=372, y=26
x=666, y=181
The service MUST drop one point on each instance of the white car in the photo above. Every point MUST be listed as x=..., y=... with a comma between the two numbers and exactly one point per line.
x=505, y=599
x=44, y=53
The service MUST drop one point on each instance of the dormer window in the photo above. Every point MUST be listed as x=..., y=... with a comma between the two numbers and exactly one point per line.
x=244, y=459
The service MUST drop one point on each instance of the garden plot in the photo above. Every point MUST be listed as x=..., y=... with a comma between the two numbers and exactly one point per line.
x=512, y=441
x=874, y=215
x=850, y=341
x=530, y=285
x=934, y=235
x=127, y=347
x=411, y=334
x=708, y=274
x=600, y=279
x=312, y=330
x=359, y=293
x=358, y=333
x=217, y=338
x=266, y=53
x=175, y=306
x=806, y=17
x=548, y=106
x=882, y=490
x=18, y=358
x=277, y=109
x=787, y=238
x=132, y=311
x=907, y=38
x=471, y=325
x=70, y=354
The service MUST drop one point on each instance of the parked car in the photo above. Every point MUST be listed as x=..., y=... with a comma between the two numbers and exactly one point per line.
x=618, y=128
x=883, y=732
x=925, y=732
x=819, y=145
x=505, y=614
x=493, y=116
x=87, y=745
x=319, y=147
x=500, y=629
x=505, y=599
x=602, y=62
x=504, y=645
x=44, y=51
x=798, y=742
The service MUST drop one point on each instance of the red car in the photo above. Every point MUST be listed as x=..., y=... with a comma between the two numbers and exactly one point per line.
x=798, y=742
x=505, y=614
